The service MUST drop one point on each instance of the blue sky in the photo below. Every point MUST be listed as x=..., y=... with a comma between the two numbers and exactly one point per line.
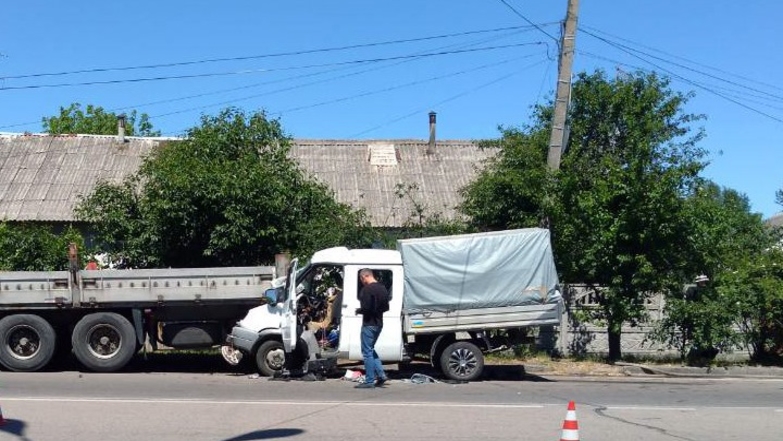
x=474, y=80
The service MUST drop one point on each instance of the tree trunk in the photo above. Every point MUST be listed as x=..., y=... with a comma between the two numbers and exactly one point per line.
x=614, y=333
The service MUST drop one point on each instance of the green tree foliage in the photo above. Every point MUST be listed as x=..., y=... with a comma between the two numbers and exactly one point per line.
x=723, y=229
x=723, y=234
x=510, y=190
x=754, y=289
x=617, y=202
x=30, y=247
x=95, y=120
x=228, y=194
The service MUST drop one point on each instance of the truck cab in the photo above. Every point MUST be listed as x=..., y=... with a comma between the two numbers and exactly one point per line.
x=314, y=313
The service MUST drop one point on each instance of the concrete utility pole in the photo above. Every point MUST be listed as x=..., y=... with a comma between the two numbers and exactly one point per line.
x=557, y=139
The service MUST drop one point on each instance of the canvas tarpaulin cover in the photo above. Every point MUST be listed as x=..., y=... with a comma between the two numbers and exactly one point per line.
x=483, y=270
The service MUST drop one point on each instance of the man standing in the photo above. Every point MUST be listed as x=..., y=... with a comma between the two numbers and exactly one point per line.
x=373, y=302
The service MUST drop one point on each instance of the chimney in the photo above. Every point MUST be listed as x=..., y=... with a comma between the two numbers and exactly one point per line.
x=431, y=145
x=121, y=127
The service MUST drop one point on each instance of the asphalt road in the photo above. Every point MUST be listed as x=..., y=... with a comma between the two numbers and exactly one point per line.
x=193, y=406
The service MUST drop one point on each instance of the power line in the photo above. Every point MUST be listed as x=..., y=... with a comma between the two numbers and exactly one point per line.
x=252, y=71
x=400, y=86
x=272, y=55
x=733, y=83
x=452, y=45
x=449, y=99
x=527, y=20
x=688, y=81
x=772, y=86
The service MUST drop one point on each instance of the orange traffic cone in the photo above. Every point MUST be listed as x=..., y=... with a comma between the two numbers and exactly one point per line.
x=570, y=425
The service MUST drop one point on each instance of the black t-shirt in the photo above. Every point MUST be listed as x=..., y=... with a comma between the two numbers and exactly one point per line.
x=371, y=299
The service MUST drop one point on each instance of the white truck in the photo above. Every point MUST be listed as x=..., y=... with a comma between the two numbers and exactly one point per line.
x=106, y=315
x=451, y=298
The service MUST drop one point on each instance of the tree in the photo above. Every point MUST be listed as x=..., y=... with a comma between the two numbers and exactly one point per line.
x=96, y=121
x=228, y=194
x=30, y=247
x=510, y=190
x=754, y=289
x=723, y=235
x=617, y=202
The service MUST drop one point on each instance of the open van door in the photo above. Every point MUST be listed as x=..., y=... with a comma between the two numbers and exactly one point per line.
x=289, y=320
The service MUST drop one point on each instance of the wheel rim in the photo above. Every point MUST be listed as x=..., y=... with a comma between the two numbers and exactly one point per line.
x=275, y=359
x=104, y=341
x=23, y=342
x=231, y=355
x=462, y=362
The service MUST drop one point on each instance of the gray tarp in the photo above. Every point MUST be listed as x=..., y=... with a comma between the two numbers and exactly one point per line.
x=484, y=270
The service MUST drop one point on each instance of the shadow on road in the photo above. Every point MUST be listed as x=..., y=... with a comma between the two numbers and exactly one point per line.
x=14, y=427
x=213, y=363
x=266, y=434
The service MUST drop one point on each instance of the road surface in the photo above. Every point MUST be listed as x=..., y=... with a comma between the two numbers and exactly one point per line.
x=232, y=407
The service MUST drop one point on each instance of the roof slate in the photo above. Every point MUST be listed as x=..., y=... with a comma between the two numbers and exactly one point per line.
x=42, y=176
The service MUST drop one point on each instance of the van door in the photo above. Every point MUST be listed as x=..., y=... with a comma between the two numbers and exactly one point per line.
x=289, y=319
x=389, y=344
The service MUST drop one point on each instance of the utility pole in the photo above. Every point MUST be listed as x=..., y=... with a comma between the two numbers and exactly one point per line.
x=558, y=139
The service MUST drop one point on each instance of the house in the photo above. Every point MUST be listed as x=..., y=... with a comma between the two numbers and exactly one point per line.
x=775, y=221
x=43, y=177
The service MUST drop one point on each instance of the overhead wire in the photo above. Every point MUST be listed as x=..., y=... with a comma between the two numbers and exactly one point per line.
x=266, y=70
x=271, y=55
x=267, y=93
x=633, y=53
x=515, y=31
x=401, y=86
x=519, y=14
x=682, y=66
x=447, y=100
x=687, y=60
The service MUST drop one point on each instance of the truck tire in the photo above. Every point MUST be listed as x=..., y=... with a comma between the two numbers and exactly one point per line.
x=28, y=342
x=104, y=341
x=270, y=358
x=462, y=361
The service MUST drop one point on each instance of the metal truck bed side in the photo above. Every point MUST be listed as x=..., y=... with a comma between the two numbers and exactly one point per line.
x=436, y=322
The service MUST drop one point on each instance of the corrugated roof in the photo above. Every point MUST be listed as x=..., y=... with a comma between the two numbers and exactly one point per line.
x=41, y=176
x=40, y=173
x=776, y=220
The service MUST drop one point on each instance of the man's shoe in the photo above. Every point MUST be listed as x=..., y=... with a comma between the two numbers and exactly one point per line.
x=381, y=381
x=365, y=386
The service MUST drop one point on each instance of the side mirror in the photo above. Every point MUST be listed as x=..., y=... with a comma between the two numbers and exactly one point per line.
x=270, y=295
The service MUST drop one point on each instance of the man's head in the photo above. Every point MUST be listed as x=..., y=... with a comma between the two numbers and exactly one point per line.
x=702, y=280
x=366, y=276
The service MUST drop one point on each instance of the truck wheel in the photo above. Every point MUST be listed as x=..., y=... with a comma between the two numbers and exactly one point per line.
x=270, y=357
x=462, y=361
x=104, y=341
x=28, y=342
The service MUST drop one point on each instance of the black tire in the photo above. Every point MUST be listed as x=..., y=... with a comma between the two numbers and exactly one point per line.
x=462, y=361
x=28, y=342
x=104, y=341
x=270, y=358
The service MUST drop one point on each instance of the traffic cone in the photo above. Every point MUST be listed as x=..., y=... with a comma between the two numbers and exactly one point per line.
x=570, y=425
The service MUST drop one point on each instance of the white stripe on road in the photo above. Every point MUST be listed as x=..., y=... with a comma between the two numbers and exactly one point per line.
x=679, y=409
x=367, y=404
x=271, y=403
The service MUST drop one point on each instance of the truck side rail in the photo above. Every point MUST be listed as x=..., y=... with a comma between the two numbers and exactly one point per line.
x=174, y=285
x=34, y=288
x=436, y=322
